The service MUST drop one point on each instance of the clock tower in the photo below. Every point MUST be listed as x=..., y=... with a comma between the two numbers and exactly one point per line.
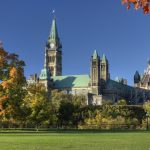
x=54, y=51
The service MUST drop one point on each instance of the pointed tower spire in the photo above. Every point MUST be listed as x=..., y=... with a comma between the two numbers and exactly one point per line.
x=53, y=51
x=53, y=33
x=137, y=77
x=104, y=68
x=53, y=38
x=104, y=58
x=95, y=55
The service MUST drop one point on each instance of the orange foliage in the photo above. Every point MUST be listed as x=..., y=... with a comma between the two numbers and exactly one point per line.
x=144, y=4
x=11, y=75
x=5, y=84
x=13, y=72
x=2, y=112
x=3, y=98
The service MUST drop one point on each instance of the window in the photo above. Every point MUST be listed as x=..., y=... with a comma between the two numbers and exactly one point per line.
x=51, y=58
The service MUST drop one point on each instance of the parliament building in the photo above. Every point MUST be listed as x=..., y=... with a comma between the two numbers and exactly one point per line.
x=97, y=86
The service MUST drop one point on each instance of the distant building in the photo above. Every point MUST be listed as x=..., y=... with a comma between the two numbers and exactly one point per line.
x=97, y=86
x=33, y=79
x=143, y=81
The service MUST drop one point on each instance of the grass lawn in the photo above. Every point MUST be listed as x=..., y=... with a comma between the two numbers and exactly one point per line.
x=75, y=141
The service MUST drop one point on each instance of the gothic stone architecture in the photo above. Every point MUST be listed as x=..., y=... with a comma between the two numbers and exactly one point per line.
x=143, y=81
x=97, y=86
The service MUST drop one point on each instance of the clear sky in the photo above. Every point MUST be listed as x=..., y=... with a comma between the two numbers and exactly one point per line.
x=83, y=25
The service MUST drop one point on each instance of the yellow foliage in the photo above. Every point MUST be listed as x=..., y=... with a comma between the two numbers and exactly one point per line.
x=146, y=106
x=2, y=112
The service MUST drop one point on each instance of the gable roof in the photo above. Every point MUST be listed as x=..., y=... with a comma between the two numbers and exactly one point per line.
x=71, y=81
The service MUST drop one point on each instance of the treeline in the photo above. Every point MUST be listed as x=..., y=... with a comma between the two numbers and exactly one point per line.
x=30, y=106
x=58, y=110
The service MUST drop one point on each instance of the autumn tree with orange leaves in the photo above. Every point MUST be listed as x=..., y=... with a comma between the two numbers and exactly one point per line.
x=12, y=83
x=144, y=4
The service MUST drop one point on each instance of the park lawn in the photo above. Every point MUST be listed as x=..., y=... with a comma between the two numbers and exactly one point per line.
x=75, y=141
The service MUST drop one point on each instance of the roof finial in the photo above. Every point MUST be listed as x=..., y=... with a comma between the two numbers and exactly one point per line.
x=53, y=13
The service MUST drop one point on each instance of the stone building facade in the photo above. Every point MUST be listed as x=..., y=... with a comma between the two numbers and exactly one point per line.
x=143, y=81
x=97, y=87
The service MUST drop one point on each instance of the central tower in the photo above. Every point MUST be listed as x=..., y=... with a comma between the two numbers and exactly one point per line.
x=54, y=51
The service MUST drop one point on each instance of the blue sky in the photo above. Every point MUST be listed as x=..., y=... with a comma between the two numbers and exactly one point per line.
x=83, y=25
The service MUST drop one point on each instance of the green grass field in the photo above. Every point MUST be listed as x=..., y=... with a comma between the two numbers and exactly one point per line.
x=75, y=141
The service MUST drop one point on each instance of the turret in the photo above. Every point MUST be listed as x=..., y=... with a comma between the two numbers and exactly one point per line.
x=104, y=68
x=137, y=79
x=45, y=75
x=95, y=73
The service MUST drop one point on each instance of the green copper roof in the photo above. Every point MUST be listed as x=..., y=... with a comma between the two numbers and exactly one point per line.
x=53, y=33
x=104, y=58
x=71, y=81
x=45, y=74
x=95, y=55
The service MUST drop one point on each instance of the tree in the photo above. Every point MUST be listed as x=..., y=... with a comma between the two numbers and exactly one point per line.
x=146, y=107
x=68, y=112
x=122, y=102
x=144, y=4
x=12, y=82
x=65, y=113
x=57, y=96
x=37, y=101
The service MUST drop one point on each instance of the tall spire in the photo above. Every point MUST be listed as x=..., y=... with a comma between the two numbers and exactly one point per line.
x=53, y=37
x=53, y=42
x=53, y=51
